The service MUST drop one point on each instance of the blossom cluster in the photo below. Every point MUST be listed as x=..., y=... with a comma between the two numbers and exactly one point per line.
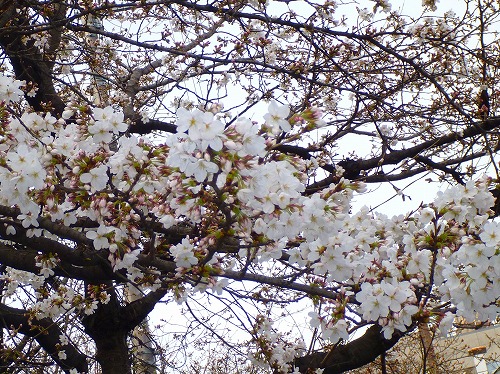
x=10, y=89
x=228, y=182
x=272, y=345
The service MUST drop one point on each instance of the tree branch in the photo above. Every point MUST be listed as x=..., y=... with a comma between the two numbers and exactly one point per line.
x=30, y=65
x=25, y=259
x=356, y=167
x=135, y=312
x=351, y=355
x=46, y=333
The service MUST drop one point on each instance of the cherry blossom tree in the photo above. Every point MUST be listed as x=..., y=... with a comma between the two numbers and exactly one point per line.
x=202, y=157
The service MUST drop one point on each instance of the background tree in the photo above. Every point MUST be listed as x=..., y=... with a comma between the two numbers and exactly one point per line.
x=130, y=178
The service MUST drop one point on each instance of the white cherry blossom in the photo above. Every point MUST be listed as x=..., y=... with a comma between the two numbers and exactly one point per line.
x=276, y=117
x=97, y=178
x=491, y=233
x=10, y=89
x=183, y=254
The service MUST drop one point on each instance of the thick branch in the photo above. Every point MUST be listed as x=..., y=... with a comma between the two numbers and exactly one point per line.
x=398, y=156
x=30, y=65
x=46, y=333
x=135, y=312
x=352, y=355
x=139, y=127
x=395, y=157
x=62, y=231
x=55, y=33
x=25, y=259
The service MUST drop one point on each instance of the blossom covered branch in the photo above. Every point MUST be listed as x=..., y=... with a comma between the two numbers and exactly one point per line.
x=134, y=173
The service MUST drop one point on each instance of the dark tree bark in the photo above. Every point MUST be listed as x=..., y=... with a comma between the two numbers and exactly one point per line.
x=46, y=333
x=28, y=62
x=106, y=327
x=110, y=325
x=350, y=356
x=112, y=352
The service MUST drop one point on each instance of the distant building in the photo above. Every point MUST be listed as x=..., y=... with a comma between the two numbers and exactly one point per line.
x=475, y=352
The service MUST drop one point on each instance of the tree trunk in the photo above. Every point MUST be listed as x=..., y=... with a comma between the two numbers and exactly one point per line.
x=112, y=353
x=107, y=327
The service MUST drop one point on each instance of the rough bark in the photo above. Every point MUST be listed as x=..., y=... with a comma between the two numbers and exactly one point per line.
x=110, y=325
x=28, y=62
x=112, y=352
x=349, y=356
x=106, y=327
